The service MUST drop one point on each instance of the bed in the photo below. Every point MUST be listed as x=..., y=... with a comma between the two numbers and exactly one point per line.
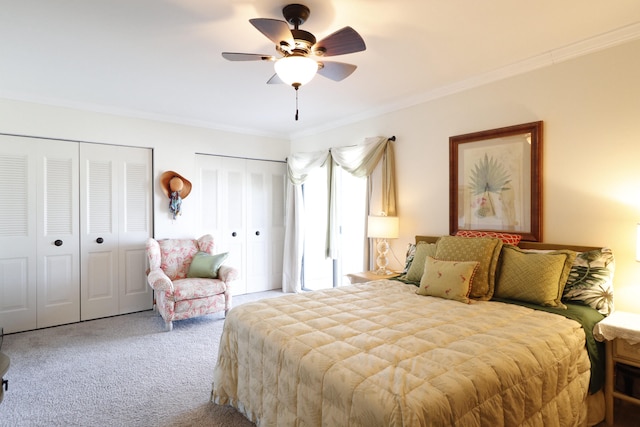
x=381, y=354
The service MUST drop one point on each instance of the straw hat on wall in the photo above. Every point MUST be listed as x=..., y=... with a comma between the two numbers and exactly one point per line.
x=171, y=181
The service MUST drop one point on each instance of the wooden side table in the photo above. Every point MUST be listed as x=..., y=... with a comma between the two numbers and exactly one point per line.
x=621, y=331
x=368, y=276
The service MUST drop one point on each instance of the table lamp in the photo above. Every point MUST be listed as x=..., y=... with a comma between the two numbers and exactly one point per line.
x=382, y=227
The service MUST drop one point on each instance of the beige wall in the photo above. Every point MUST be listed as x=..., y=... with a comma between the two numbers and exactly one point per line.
x=174, y=148
x=591, y=179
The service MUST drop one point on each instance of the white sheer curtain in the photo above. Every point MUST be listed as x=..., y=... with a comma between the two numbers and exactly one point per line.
x=359, y=160
x=299, y=165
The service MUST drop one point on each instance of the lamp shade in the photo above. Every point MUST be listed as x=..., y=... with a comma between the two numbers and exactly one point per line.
x=296, y=70
x=383, y=227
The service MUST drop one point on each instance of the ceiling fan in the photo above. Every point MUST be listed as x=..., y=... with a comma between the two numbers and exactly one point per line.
x=299, y=54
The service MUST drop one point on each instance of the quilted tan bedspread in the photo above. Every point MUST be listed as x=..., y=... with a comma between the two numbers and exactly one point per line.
x=377, y=354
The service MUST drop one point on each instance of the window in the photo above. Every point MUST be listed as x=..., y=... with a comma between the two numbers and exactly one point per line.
x=318, y=271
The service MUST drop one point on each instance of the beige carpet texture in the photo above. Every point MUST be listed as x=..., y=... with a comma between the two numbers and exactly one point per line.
x=118, y=371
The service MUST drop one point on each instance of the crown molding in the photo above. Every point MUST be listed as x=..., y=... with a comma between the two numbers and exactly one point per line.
x=555, y=56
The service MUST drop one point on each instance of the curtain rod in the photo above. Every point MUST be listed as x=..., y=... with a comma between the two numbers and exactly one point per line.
x=391, y=138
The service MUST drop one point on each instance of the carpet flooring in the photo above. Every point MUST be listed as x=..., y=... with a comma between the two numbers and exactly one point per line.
x=118, y=371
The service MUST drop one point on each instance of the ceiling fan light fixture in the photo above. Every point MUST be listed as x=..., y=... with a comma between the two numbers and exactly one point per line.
x=296, y=70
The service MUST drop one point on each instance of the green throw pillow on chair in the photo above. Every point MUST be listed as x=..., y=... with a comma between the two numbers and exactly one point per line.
x=205, y=265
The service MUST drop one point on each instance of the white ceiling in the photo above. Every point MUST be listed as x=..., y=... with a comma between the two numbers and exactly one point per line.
x=161, y=59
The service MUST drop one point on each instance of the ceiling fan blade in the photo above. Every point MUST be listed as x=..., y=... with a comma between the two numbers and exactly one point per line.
x=277, y=31
x=232, y=56
x=346, y=40
x=336, y=71
x=274, y=80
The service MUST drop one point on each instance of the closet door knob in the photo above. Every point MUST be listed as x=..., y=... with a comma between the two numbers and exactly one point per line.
x=234, y=234
x=257, y=233
x=58, y=242
x=99, y=240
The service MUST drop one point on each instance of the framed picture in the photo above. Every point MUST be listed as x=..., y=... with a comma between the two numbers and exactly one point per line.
x=495, y=181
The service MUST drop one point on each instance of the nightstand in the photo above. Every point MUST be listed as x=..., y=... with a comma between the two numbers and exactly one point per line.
x=622, y=334
x=368, y=276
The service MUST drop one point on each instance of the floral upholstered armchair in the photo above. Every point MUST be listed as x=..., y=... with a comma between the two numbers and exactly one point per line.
x=187, y=278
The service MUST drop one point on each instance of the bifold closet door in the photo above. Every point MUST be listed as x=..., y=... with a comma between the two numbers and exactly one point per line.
x=265, y=225
x=242, y=206
x=115, y=223
x=222, y=200
x=39, y=232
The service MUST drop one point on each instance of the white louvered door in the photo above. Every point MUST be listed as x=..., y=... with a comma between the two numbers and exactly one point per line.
x=265, y=225
x=134, y=228
x=58, y=227
x=234, y=221
x=17, y=236
x=39, y=270
x=242, y=206
x=115, y=212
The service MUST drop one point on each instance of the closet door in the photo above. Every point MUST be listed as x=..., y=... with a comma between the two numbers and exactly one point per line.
x=134, y=227
x=58, y=252
x=39, y=270
x=222, y=205
x=99, y=243
x=234, y=218
x=265, y=225
x=242, y=206
x=115, y=200
x=18, y=235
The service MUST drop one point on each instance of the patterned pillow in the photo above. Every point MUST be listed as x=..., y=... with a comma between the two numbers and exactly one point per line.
x=484, y=250
x=534, y=277
x=447, y=279
x=423, y=249
x=507, y=238
x=411, y=252
x=591, y=280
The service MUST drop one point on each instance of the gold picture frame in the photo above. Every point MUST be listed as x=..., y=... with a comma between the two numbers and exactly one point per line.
x=495, y=181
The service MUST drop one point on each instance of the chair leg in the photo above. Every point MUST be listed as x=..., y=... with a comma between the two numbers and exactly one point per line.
x=168, y=325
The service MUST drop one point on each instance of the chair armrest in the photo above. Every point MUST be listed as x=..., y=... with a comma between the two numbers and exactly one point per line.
x=227, y=274
x=159, y=281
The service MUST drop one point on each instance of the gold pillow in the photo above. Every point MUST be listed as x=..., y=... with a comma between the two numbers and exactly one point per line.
x=484, y=250
x=423, y=249
x=534, y=277
x=447, y=279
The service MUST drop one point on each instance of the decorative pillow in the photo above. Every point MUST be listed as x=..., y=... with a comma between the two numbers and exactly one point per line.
x=591, y=280
x=423, y=249
x=411, y=252
x=507, y=238
x=205, y=265
x=447, y=279
x=534, y=277
x=485, y=250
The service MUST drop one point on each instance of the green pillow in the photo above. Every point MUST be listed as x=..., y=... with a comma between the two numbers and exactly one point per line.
x=205, y=265
x=423, y=249
x=485, y=250
x=534, y=277
x=447, y=279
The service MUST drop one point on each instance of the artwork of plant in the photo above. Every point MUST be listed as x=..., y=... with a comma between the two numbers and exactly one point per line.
x=488, y=176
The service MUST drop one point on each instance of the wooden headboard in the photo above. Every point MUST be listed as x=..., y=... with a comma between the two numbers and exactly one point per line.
x=526, y=245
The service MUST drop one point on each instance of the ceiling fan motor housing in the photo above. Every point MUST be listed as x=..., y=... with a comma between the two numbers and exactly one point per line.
x=304, y=40
x=296, y=14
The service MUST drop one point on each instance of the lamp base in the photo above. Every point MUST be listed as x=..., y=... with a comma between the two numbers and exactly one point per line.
x=382, y=272
x=382, y=261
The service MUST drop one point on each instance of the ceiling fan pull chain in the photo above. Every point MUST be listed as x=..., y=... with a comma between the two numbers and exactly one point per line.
x=296, y=88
